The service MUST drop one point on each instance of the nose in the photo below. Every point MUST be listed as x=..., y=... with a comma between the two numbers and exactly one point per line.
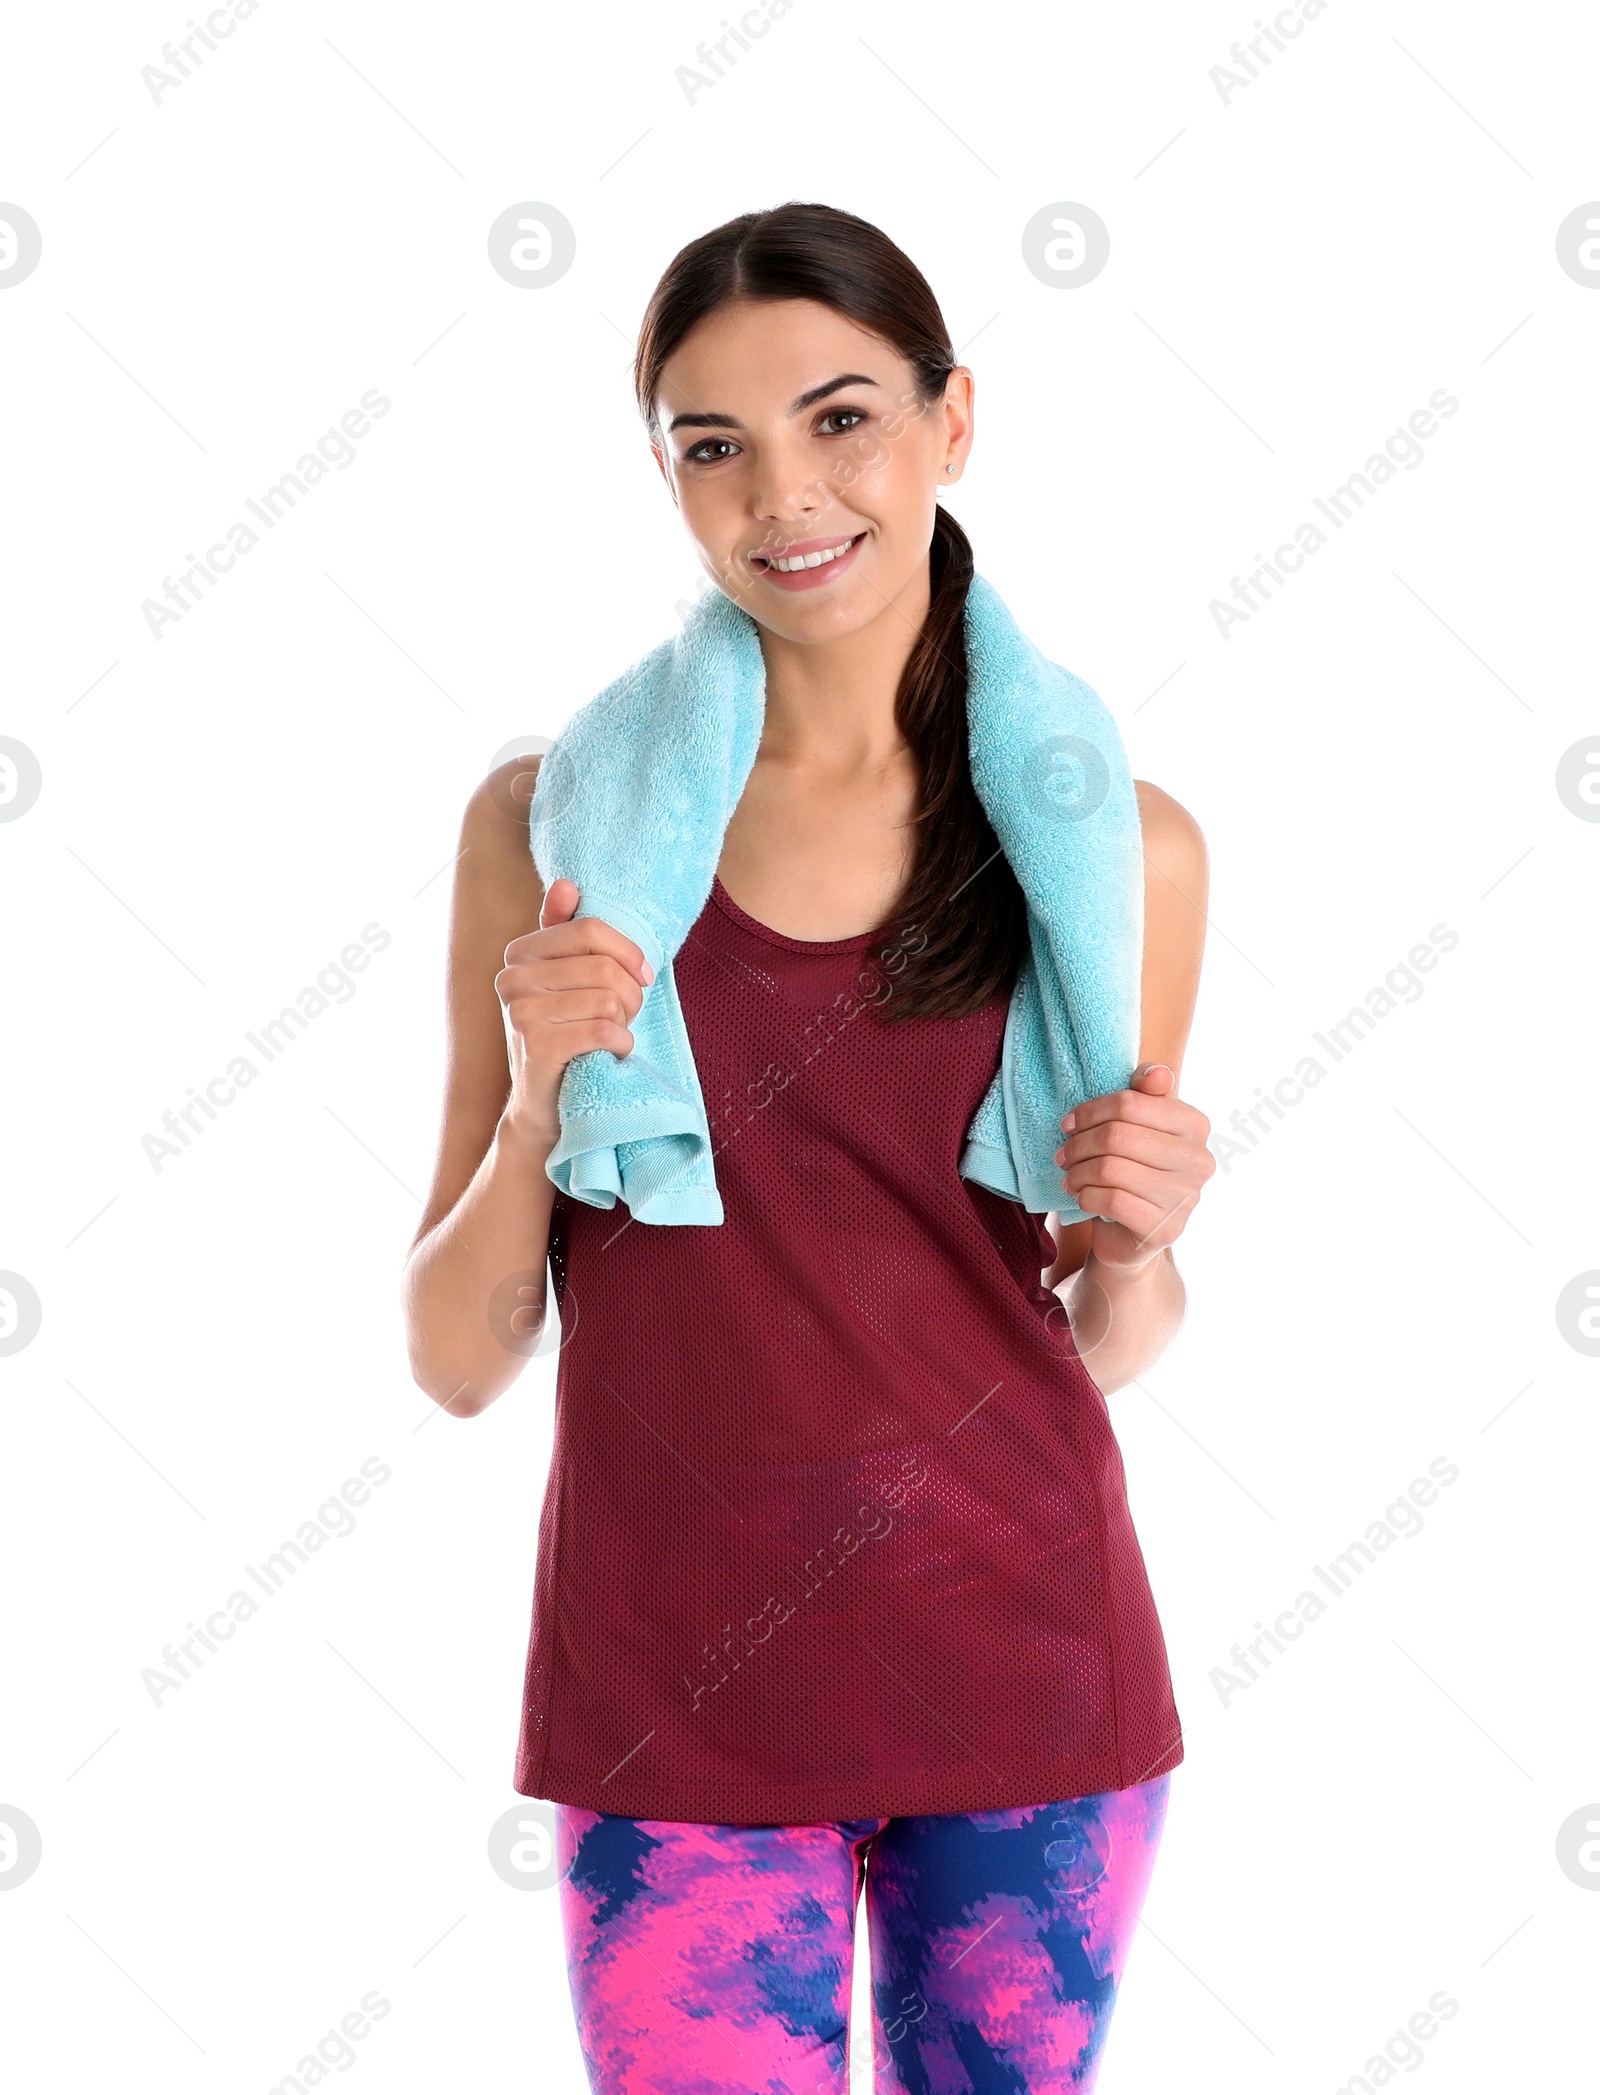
x=788, y=489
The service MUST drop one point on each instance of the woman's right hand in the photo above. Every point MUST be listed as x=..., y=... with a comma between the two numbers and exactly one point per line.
x=574, y=984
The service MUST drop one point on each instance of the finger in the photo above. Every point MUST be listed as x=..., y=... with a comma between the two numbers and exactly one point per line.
x=570, y=934
x=1162, y=1148
x=1129, y=1175
x=1154, y=1079
x=1167, y=1111
x=561, y=898
x=584, y=1035
x=549, y=976
x=572, y=1011
x=1158, y=1221
x=1149, y=1080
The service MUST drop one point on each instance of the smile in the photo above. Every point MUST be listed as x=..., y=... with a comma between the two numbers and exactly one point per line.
x=797, y=567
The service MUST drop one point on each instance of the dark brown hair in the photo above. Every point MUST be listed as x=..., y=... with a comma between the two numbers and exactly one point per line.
x=960, y=921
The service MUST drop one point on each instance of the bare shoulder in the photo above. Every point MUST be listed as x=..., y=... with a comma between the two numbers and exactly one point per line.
x=1174, y=847
x=495, y=872
x=497, y=812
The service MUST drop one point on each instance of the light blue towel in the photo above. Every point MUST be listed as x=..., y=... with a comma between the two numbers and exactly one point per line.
x=632, y=803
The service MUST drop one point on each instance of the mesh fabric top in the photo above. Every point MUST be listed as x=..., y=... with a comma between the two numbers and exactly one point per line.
x=836, y=1523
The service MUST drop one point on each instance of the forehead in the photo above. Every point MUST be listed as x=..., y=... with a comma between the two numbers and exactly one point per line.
x=759, y=355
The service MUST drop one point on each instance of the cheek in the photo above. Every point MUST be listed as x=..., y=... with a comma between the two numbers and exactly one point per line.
x=888, y=477
x=711, y=515
x=894, y=495
x=872, y=462
x=870, y=452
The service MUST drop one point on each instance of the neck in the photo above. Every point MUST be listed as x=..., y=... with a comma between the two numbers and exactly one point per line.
x=831, y=703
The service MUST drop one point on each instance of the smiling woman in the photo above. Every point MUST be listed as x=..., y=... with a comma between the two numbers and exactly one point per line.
x=853, y=461
x=835, y=1555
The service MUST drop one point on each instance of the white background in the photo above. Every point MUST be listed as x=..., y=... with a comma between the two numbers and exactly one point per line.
x=1373, y=1285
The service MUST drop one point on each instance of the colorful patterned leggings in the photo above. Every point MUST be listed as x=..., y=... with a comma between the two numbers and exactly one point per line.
x=716, y=1960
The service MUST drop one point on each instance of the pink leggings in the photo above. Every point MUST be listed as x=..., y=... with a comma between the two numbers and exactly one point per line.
x=716, y=1960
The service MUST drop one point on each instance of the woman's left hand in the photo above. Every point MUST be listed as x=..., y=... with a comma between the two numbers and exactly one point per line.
x=1135, y=1162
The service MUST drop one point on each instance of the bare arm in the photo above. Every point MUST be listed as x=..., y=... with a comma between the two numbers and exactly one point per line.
x=528, y=988
x=1136, y=1160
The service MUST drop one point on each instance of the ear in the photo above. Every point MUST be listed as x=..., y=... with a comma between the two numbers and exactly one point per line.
x=958, y=414
x=660, y=458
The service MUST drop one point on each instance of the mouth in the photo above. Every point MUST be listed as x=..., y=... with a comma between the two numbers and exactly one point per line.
x=808, y=563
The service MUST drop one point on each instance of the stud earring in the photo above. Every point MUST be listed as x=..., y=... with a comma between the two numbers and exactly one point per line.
x=949, y=469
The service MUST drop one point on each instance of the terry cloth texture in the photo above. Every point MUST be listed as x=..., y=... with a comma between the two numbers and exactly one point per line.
x=632, y=803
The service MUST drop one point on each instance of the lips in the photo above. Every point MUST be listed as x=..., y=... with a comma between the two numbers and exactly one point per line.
x=816, y=561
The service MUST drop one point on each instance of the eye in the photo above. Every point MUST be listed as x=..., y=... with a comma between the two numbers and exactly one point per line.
x=700, y=454
x=833, y=414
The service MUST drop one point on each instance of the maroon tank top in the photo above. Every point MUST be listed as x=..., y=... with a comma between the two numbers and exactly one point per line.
x=836, y=1523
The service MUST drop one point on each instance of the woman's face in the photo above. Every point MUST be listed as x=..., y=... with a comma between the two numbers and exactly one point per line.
x=788, y=431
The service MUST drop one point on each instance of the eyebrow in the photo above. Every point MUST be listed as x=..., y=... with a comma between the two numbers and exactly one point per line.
x=796, y=407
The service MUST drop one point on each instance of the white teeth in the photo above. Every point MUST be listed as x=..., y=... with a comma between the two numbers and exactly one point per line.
x=788, y=567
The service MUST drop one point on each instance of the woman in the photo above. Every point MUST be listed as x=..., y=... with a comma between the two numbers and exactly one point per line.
x=835, y=1556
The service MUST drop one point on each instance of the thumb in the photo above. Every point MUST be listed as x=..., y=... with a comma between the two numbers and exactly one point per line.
x=1154, y=1077
x=560, y=903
